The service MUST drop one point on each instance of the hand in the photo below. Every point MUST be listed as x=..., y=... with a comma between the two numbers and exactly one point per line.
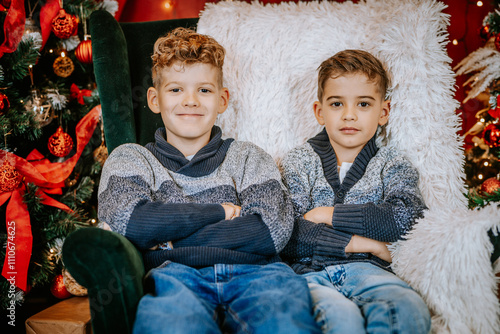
x=322, y=214
x=231, y=210
x=359, y=244
x=382, y=252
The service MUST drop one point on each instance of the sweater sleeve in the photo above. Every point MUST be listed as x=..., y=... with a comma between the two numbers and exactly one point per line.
x=266, y=220
x=391, y=218
x=308, y=238
x=128, y=205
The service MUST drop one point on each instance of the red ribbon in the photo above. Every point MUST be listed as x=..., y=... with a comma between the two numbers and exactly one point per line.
x=76, y=93
x=13, y=27
x=49, y=177
x=47, y=14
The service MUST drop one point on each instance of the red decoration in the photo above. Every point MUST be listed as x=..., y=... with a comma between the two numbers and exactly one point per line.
x=484, y=32
x=83, y=51
x=491, y=135
x=60, y=143
x=64, y=25
x=49, y=178
x=10, y=178
x=58, y=289
x=4, y=103
x=47, y=13
x=490, y=186
x=77, y=93
x=13, y=27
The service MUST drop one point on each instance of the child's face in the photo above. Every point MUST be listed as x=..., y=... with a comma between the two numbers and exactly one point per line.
x=189, y=100
x=351, y=110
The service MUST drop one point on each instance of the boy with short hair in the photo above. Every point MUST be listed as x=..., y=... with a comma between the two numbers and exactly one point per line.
x=351, y=198
x=209, y=215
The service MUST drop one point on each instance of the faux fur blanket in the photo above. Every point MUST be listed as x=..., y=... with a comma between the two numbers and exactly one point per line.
x=273, y=52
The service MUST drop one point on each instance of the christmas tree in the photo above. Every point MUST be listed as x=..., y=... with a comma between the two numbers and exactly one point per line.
x=53, y=146
x=482, y=165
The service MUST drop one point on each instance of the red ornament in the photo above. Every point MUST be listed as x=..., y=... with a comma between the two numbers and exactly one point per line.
x=9, y=177
x=83, y=51
x=490, y=186
x=4, y=103
x=484, y=32
x=491, y=135
x=58, y=289
x=60, y=143
x=64, y=25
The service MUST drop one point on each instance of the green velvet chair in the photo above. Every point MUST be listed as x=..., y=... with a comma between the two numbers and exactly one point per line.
x=103, y=261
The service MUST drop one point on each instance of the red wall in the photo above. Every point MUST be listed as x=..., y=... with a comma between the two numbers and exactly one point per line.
x=465, y=20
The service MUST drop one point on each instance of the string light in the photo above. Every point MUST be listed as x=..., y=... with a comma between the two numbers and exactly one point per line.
x=63, y=54
x=455, y=42
x=480, y=176
x=169, y=5
x=479, y=3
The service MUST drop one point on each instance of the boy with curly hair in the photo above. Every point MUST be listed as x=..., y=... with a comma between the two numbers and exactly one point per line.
x=210, y=215
x=351, y=197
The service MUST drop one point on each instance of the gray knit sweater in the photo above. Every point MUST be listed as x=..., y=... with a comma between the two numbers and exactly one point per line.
x=153, y=195
x=379, y=199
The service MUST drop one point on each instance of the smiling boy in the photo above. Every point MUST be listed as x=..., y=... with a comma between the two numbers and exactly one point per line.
x=351, y=198
x=210, y=215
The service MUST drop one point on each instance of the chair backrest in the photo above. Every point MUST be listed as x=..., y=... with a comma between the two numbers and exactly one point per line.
x=122, y=66
x=273, y=52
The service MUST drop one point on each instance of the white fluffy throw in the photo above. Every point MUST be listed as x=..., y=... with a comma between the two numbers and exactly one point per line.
x=273, y=52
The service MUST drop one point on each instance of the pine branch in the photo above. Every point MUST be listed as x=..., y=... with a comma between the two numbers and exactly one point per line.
x=19, y=61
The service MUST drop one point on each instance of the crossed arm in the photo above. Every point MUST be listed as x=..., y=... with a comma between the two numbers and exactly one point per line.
x=357, y=244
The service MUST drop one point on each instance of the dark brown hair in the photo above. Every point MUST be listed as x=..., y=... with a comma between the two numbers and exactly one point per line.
x=350, y=62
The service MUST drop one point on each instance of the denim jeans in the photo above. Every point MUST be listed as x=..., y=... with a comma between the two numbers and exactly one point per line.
x=360, y=297
x=225, y=299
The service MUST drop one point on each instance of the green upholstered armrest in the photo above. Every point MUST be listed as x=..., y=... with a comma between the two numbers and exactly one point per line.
x=112, y=74
x=111, y=268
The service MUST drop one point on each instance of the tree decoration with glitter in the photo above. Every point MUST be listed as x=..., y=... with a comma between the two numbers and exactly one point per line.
x=10, y=178
x=64, y=25
x=60, y=143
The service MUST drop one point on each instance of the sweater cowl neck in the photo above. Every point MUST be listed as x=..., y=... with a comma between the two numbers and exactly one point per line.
x=322, y=146
x=204, y=162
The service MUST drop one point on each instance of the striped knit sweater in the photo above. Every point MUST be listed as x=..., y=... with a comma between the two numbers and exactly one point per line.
x=379, y=199
x=153, y=195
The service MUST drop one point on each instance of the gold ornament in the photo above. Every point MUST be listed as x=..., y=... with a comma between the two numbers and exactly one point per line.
x=72, y=285
x=63, y=66
x=101, y=154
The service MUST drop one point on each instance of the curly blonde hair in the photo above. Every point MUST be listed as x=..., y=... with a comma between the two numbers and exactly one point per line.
x=187, y=47
x=350, y=62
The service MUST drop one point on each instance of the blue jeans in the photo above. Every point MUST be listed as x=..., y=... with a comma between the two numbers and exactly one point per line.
x=225, y=298
x=360, y=297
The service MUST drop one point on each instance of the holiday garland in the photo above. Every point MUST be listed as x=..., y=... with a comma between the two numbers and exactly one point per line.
x=52, y=148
